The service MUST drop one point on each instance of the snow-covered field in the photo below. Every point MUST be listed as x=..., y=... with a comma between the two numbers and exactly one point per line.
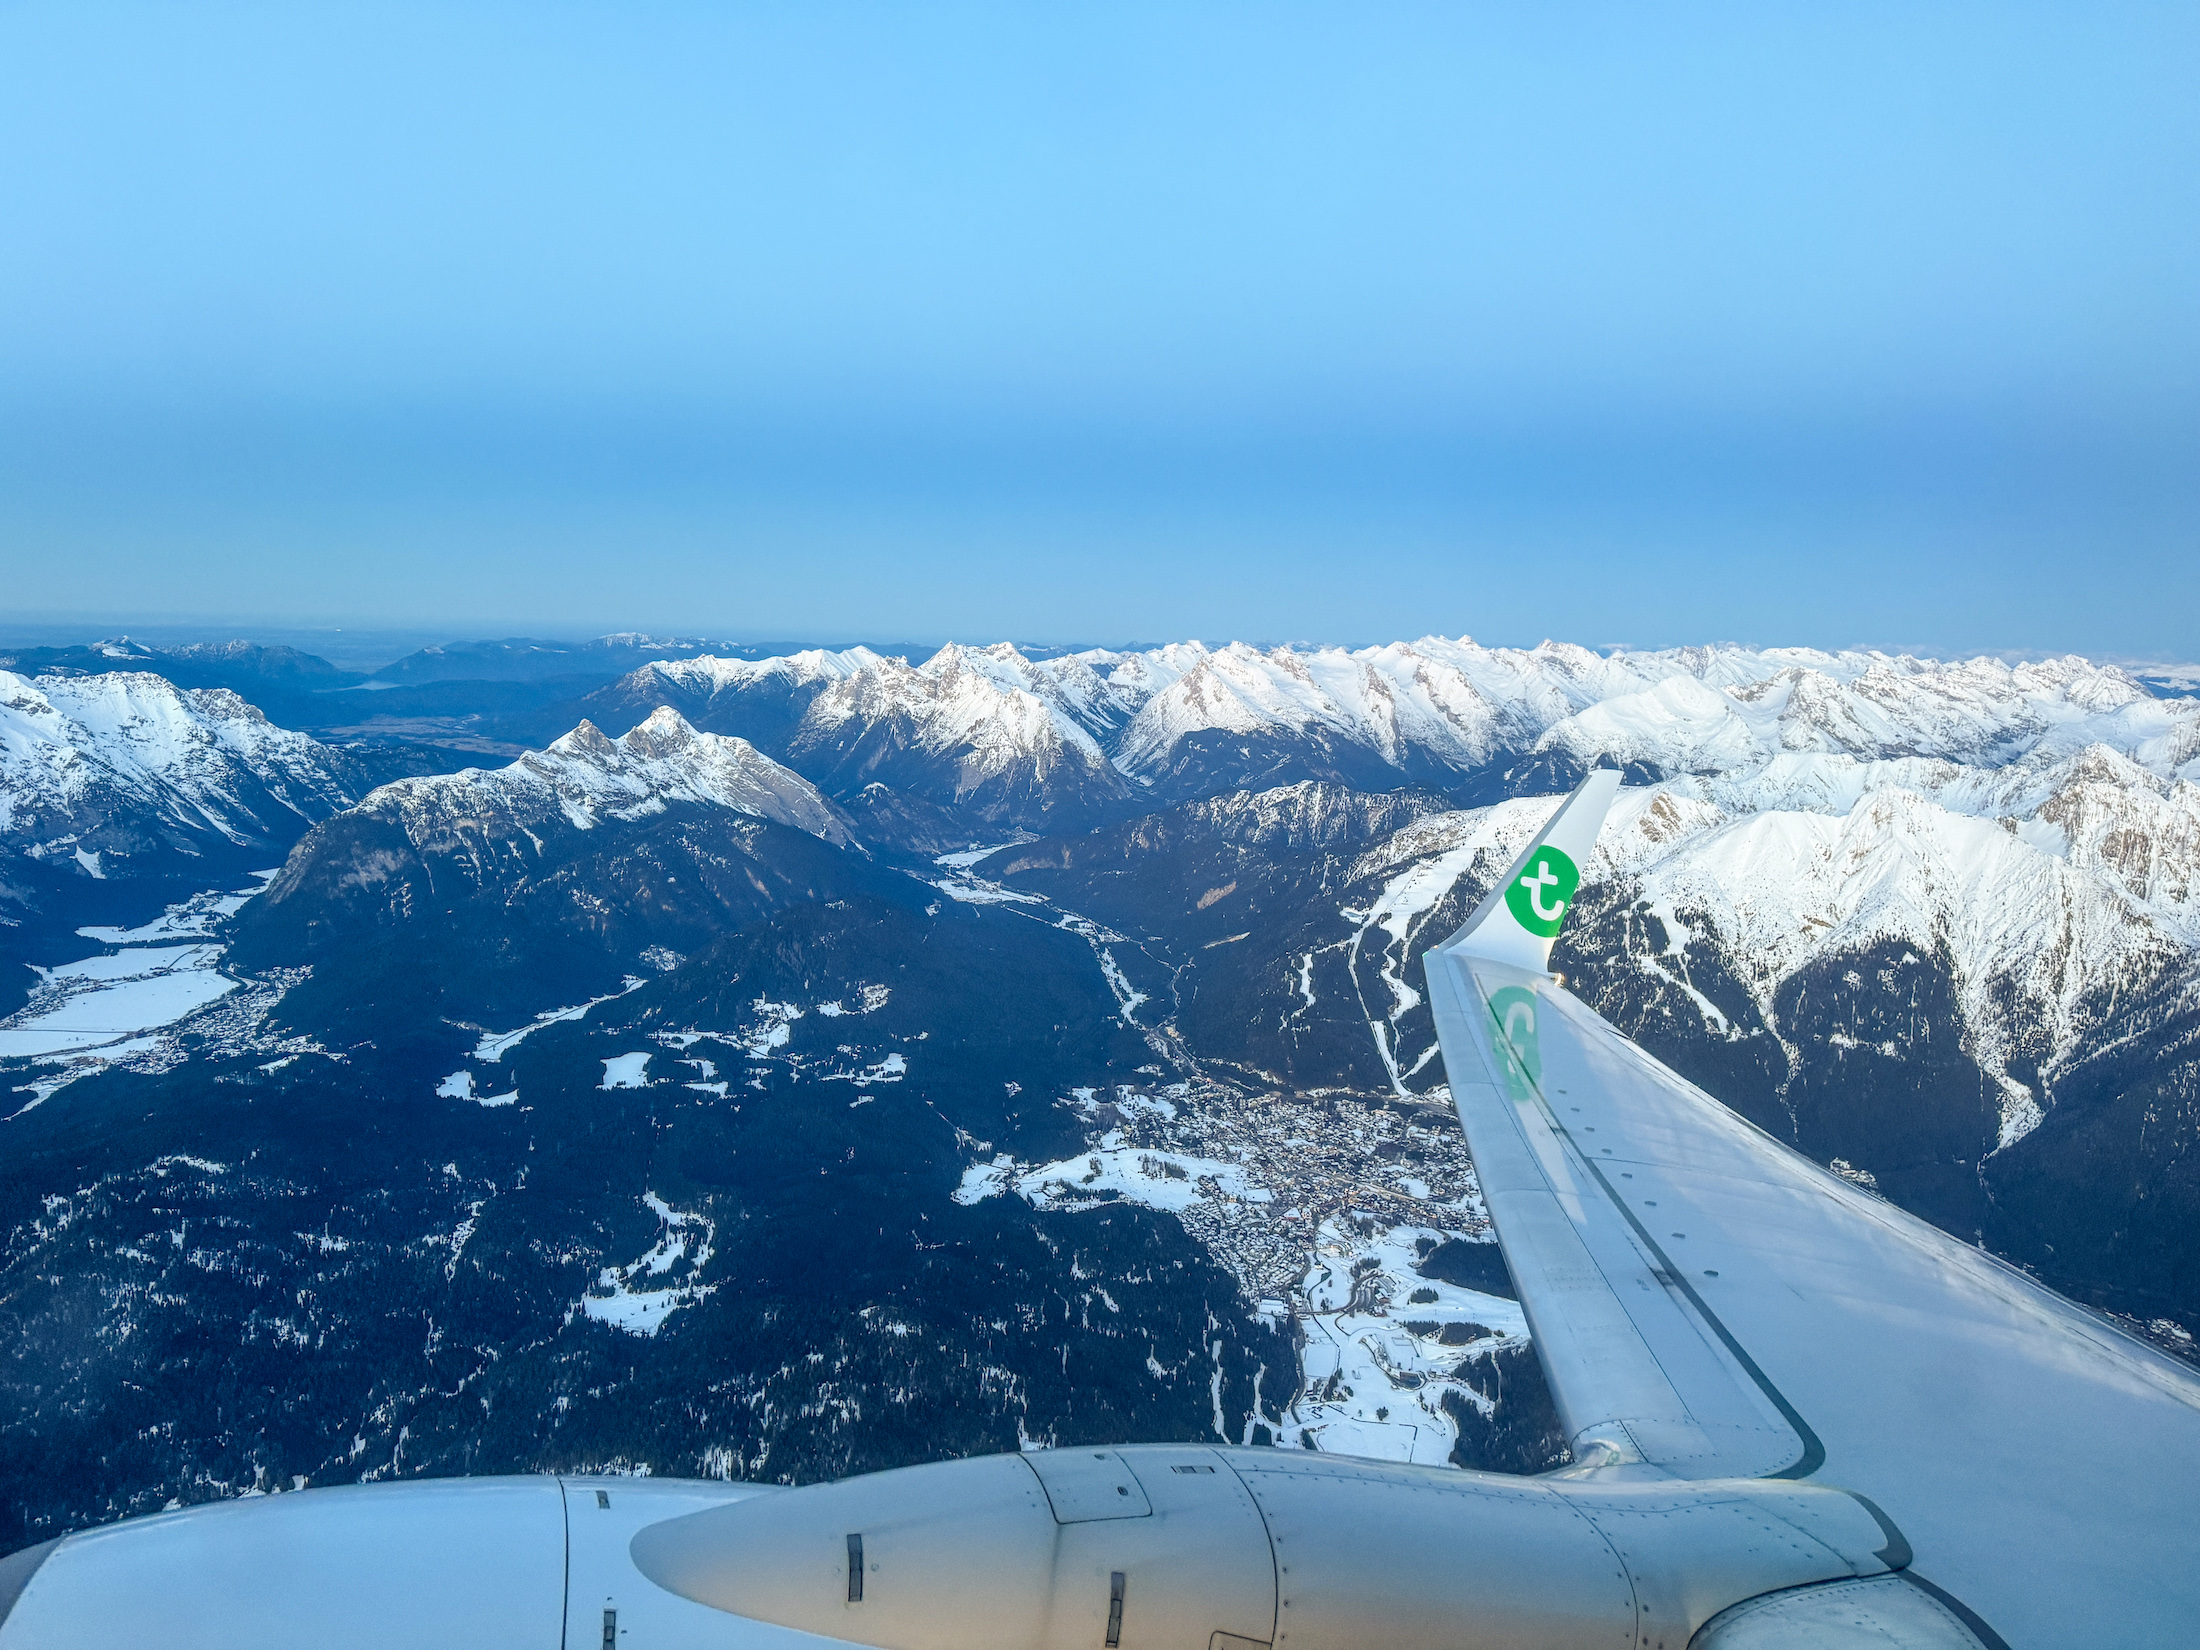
x=975, y=890
x=626, y=1071
x=140, y=992
x=194, y=919
x=628, y=1298
x=1383, y=1345
x=460, y=1086
x=494, y=1045
x=970, y=856
x=111, y=1003
x=129, y=1004
x=1157, y=1179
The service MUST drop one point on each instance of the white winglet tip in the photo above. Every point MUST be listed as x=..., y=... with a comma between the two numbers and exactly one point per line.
x=1522, y=915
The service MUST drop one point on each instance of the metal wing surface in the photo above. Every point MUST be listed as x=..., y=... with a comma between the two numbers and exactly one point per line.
x=1708, y=1303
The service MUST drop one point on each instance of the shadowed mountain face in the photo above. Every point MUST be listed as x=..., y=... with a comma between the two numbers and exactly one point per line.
x=498, y=892
x=392, y=927
x=814, y=1064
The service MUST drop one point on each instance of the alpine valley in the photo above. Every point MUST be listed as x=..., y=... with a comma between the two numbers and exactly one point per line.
x=787, y=1066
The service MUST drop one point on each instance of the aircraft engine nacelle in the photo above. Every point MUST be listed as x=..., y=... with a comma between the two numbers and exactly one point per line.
x=1159, y=1547
x=1227, y=1549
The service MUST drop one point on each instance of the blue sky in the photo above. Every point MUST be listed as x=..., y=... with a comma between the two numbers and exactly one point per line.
x=1872, y=323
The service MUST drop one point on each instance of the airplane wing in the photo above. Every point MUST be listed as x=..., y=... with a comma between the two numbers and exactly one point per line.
x=1708, y=1303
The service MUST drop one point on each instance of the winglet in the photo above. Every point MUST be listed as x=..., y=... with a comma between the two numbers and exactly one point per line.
x=1521, y=917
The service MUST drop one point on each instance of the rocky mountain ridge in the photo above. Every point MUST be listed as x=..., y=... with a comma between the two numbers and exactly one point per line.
x=494, y=890
x=2039, y=929
x=124, y=759
x=1071, y=741
x=586, y=779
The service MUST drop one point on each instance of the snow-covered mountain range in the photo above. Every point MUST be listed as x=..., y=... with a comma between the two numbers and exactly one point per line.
x=1075, y=739
x=984, y=732
x=119, y=773
x=995, y=737
x=2043, y=909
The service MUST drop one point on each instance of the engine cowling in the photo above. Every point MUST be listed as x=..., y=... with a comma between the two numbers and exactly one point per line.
x=1191, y=1548
x=1161, y=1547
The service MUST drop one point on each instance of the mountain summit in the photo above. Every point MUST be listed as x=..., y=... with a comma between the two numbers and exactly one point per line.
x=587, y=778
x=484, y=890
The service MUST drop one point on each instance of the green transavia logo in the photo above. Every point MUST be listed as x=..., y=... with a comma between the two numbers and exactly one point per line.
x=1542, y=890
x=1519, y=1054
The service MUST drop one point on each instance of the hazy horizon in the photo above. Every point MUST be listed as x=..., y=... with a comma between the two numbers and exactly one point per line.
x=1752, y=320
x=369, y=646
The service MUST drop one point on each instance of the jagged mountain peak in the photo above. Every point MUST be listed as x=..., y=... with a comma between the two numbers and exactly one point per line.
x=959, y=656
x=1679, y=724
x=1138, y=676
x=2028, y=933
x=711, y=673
x=587, y=740
x=1003, y=667
x=2104, y=764
x=663, y=732
x=1980, y=713
x=1571, y=657
x=133, y=722
x=980, y=709
x=2037, y=921
x=586, y=777
x=2111, y=815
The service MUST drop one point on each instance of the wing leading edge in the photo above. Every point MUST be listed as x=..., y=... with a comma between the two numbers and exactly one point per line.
x=1708, y=1303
